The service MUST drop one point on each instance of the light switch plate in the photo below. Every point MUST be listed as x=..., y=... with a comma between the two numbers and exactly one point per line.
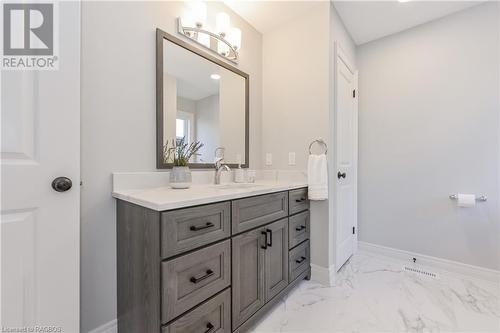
x=291, y=158
x=269, y=159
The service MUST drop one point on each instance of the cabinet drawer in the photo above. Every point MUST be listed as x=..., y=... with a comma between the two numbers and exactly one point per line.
x=298, y=200
x=213, y=316
x=192, y=278
x=252, y=212
x=299, y=260
x=298, y=229
x=189, y=228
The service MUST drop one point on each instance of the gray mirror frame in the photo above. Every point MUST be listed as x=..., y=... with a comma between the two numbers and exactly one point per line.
x=160, y=36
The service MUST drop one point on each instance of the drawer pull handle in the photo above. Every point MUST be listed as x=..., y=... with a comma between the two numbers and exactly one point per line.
x=270, y=232
x=209, y=327
x=300, y=200
x=206, y=226
x=264, y=247
x=301, y=260
x=301, y=227
x=207, y=275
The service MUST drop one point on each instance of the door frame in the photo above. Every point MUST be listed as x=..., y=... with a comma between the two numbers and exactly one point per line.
x=340, y=55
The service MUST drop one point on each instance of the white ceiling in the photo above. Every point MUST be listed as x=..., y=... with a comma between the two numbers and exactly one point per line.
x=267, y=15
x=365, y=20
x=370, y=20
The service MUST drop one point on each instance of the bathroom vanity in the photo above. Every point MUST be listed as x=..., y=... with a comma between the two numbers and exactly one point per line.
x=211, y=258
x=208, y=259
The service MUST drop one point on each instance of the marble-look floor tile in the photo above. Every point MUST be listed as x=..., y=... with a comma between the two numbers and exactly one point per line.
x=375, y=294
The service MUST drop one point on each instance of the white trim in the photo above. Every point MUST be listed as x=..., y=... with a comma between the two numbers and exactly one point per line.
x=438, y=263
x=109, y=327
x=323, y=275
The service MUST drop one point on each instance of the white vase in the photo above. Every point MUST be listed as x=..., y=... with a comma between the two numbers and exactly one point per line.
x=180, y=177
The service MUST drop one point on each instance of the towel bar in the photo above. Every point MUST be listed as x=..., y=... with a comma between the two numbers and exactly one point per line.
x=321, y=142
x=481, y=198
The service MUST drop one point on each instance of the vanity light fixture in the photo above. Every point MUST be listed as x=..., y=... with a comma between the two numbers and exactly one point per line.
x=225, y=41
x=215, y=77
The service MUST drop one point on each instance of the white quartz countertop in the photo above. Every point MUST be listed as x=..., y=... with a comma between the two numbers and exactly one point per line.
x=166, y=198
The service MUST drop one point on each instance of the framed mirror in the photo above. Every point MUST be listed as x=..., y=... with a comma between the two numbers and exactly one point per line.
x=199, y=98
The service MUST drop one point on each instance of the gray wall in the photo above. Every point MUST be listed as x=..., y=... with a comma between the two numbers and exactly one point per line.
x=296, y=102
x=298, y=105
x=429, y=127
x=118, y=124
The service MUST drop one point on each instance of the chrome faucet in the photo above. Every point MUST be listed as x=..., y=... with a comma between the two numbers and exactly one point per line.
x=219, y=166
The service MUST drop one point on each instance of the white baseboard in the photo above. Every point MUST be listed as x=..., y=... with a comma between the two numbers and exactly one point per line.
x=438, y=263
x=323, y=275
x=109, y=327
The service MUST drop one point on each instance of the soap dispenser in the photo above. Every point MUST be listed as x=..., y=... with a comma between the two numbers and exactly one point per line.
x=239, y=174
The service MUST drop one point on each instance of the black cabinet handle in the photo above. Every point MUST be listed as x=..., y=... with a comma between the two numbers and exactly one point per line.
x=341, y=175
x=206, y=226
x=301, y=227
x=209, y=327
x=299, y=261
x=300, y=200
x=265, y=240
x=270, y=232
x=208, y=274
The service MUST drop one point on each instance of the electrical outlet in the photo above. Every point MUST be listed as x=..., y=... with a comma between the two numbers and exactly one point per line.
x=291, y=158
x=269, y=159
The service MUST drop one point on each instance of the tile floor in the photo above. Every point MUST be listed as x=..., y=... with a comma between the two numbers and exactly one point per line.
x=374, y=294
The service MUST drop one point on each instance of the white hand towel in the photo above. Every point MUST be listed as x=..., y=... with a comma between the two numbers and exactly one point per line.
x=317, y=177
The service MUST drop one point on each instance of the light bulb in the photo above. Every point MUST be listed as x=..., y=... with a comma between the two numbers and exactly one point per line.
x=234, y=38
x=222, y=24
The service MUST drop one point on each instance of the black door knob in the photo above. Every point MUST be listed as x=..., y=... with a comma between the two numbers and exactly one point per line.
x=341, y=175
x=61, y=184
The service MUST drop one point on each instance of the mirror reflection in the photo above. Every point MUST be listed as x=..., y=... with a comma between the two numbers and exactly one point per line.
x=205, y=102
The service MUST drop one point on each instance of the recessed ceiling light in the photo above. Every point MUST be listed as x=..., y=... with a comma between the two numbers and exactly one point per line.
x=403, y=0
x=215, y=76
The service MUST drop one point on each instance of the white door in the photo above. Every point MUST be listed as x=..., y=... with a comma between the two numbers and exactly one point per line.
x=39, y=227
x=346, y=119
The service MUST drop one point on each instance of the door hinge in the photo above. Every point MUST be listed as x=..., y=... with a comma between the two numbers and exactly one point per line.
x=353, y=230
x=354, y=93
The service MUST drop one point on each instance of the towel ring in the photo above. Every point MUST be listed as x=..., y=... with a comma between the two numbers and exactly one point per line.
x=319, y=141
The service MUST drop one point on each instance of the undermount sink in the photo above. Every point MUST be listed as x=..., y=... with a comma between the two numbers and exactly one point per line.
x=235, y=186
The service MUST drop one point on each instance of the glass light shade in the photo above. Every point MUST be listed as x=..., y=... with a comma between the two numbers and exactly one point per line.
x=222, y=48
x=204, y=39
x=222, y=23
x=234, y=38
x=199, y=11
x=187, y=20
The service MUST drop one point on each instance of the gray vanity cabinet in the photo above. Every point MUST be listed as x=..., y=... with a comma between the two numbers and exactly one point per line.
x=252, y=212
x=260, y=268
x=214, y=268
x=276, y=260
x=248, y=256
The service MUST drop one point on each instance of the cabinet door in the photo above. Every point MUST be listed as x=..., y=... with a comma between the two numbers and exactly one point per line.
x=276, y=267
x=248, y=275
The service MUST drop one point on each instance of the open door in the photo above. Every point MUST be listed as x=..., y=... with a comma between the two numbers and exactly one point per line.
x=40, y=155
x=346, y=128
